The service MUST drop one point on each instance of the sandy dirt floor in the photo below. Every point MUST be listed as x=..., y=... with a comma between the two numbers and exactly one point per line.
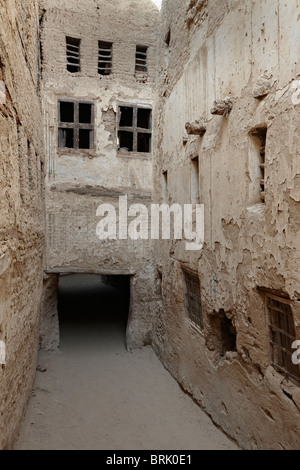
x=94, y=395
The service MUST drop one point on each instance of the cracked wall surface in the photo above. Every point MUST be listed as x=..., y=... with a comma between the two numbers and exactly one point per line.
x=246, y=51
x=22, y=209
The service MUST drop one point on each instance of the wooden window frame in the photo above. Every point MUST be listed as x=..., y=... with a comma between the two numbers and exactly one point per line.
x=141, y=61
x=134, y=129
x=73, y=52
x=77, y=126
x=106, y=60
x=278, y=333
x=196, y=318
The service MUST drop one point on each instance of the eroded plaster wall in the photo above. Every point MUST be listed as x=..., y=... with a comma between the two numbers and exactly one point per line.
x=79, y=181
x=247, y=51
x=22, y=209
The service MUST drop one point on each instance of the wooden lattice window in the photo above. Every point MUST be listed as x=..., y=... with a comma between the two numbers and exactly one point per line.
x=104, y=58
x=141, y=61
x=73, y=54
x=193, y=297
x=76, y=124
x=135, y=129
x=282, y=335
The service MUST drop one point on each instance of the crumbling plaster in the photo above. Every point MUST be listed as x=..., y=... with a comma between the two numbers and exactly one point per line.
x=223, y=52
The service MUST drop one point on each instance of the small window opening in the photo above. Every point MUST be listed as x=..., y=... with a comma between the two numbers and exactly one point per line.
x=126, y=116
x=85, y=113
x=73, y=54
x=228, y=333
x=165, y=187
x=67, y=112
x=85, y=136
x=144, y=118
x=195, y=195
x=222, y=337
x=168, y=38
x=126, y=141
x=134, y=133
x=158, y=285
x=66, y=138
x=76, y=125
x=282, y=335
x=105, y=58
x=143, y=142
x=192, y=298
x=141, y=59
x=258, y=161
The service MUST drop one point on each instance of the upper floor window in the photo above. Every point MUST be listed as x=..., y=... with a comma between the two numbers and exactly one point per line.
x=73, y=54
x=104, y=58
x=135, y=129
x=141, y=60
x=76, y=124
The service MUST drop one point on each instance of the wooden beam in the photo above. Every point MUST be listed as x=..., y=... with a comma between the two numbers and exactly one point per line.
x=100, y=271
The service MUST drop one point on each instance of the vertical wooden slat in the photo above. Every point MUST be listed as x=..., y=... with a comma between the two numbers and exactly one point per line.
x=92, y=114
x=76, y=128
x=134, y=125
x=91, y=139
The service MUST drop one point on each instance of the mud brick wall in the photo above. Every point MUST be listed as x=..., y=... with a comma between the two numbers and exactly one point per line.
x=21, y=208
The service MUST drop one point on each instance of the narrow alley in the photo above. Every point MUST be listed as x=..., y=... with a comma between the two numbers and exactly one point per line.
x=94, y=395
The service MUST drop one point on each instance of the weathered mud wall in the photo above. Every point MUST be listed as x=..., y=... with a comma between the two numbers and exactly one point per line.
x=78, y=181
x=21, y=212
x=247, y=51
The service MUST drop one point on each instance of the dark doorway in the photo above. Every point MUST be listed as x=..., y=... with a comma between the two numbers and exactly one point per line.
x=93, y=309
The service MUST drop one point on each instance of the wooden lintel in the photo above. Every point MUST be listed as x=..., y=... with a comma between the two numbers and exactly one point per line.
x=100, y=271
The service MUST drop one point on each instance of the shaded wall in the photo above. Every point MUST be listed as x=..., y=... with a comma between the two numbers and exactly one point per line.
x=22, y=208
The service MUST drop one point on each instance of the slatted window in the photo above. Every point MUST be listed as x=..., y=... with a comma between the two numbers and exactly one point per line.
x=193, y=297
x=73, y=54
x=76, y=124
x=104, y=58
x=141, y=61
x=282, y=335
x=135, y=129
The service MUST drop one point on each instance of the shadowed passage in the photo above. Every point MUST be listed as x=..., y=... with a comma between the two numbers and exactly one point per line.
x=93, y=310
